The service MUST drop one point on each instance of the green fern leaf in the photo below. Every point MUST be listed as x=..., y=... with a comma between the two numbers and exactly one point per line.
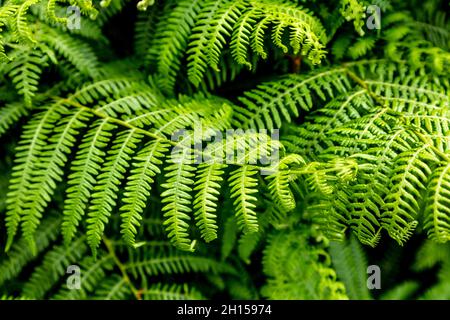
x=205, y=203
x=437, y=214
x=137, y=190
x=243, y=187
x=104, y=195
x=85, y=168
x=176, y=199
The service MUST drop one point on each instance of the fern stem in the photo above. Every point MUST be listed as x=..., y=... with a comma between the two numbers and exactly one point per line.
x=110, y=247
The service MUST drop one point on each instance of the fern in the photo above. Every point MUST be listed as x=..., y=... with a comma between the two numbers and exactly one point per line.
x=139, y=187
x=171, y=292
x=436, y=212
x=179, y=183
x=378, y=138
x=202, y=31
x=243, y=183
x=351, y=264
x=207, y=184
x=315, y=281
x=241, y=149
x=103, y=200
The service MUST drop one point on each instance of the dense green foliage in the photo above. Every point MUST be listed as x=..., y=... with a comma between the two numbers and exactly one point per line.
x=92, y=173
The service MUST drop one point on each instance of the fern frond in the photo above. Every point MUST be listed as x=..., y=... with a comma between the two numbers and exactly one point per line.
x=54, y=265
x=161, y=291
x=144, y=263
x=20, y=25
x=311, y=138
x=218, y=20
x=280, y=180
x=403, y=291
x=273, y=102
x=247, y=244
x=77, y=52
x=25, y=71
x=93, y=274
x=48, y=169
x=243, y=185
x=31, y=146
x=413, y=118
x=144, y=31
x=176, y=199
x=10, y=114
x=172, y=40
x=207, y=186
x=199, y=40
x=20, y=253
x=354, y=10
x=430, y=254
x=295, y=270
x=85, y=168
x=407, y=181
x=240, y=41
x=112, y=288
x=361, y=47
x=350, y=263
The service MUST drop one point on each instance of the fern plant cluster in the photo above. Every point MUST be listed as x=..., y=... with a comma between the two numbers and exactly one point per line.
x=340, y=157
